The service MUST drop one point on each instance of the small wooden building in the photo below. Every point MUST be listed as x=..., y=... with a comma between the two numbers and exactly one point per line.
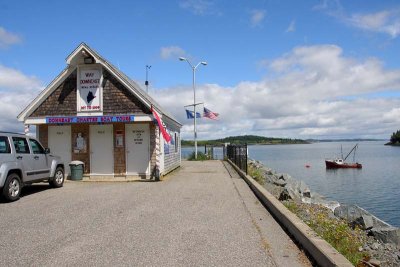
x=94, y=113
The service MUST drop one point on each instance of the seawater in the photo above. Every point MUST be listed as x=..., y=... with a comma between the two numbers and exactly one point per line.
x=375, y=187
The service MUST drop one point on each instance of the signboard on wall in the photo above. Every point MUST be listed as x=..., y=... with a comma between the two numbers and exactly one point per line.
x=89, y=88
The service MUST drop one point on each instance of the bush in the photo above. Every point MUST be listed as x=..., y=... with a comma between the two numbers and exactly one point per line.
x=200, y=156
x=256, y=174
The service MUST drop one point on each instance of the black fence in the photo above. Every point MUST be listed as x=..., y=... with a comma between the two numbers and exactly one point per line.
x=238, y=155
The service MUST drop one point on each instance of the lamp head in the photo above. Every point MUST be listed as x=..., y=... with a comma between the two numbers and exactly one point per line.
x=204, y=63
x=182, y=58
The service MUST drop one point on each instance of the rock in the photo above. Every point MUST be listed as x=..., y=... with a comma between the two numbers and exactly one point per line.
x=375, y=246
x=289, y=193
x=356, y=215
x=284, y=176
x=365, y=222
x=374, y=262
x=281, y=183
x=348, y=212
x=387, y=234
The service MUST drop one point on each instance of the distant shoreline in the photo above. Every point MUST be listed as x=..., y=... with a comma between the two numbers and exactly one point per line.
x=392, y=144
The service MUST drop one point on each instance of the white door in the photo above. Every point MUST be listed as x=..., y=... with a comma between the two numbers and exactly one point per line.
x=101, y=150
x=137, y=149
x=60, y=143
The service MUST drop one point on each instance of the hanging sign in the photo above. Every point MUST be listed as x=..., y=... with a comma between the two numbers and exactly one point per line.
x=89, y=90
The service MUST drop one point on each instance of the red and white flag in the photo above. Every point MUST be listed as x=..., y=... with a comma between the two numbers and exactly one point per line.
x=161, y=125
x=209, y=114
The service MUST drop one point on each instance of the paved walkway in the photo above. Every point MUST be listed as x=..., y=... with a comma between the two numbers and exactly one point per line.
x=198, y=216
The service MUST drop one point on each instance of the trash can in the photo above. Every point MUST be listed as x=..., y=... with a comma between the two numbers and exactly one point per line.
x=76, y=170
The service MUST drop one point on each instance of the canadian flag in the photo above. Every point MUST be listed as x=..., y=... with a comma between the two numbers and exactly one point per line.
x=161, y=125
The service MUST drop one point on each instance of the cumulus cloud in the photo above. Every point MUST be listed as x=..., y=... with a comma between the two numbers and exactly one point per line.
x=316, y=92
x=16, y=91
x=257, y=17
x=172, y=52
x=7, y=38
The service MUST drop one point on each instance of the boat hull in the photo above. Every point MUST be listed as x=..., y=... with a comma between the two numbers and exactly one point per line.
x=333, y=165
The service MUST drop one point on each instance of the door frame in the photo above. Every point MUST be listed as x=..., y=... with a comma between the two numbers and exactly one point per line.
x=69, y=151
x=91, y=153
x=148, y=171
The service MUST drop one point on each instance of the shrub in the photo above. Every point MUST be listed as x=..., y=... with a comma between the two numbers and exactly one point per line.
x=200, y=156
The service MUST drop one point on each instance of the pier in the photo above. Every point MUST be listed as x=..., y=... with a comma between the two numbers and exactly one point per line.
x=201, y=214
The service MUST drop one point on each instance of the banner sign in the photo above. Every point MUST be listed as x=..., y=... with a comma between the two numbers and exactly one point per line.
x=89, y=89
x=90, y=119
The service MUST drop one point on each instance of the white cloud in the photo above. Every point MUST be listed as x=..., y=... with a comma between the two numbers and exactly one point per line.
x=8, y=38
x=256, y=17
x=387, y=21
x=316, y=92
x=291, y=27
x=172, y=52
x=199, y=7
x=16, y=91
x=384, y=21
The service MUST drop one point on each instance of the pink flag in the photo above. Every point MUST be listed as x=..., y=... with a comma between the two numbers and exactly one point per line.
x=162, y=126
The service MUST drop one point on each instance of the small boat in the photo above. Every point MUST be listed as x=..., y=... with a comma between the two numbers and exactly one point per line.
x=341, y=162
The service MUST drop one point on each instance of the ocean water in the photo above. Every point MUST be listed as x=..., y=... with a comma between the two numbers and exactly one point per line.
x=375, y=187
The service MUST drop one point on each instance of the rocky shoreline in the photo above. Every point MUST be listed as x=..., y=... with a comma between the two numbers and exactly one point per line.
x=380, y=242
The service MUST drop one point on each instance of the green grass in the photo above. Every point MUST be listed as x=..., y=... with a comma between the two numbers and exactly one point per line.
x=336, y=232
x=256, y=174
x=200, y=156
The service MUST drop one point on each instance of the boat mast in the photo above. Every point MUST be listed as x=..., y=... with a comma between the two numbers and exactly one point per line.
x=355, y=147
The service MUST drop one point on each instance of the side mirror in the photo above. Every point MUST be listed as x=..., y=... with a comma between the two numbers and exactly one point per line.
x=47, y=150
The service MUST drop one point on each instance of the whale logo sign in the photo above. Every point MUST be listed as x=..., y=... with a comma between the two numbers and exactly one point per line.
x=90, y=97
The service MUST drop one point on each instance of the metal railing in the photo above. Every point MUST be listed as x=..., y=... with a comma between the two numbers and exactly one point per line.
x=238, y=155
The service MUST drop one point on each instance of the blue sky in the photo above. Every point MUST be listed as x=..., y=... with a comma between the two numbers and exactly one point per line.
x=307, y=69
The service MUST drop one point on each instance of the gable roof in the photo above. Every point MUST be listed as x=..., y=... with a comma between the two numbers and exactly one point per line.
x=72, y=62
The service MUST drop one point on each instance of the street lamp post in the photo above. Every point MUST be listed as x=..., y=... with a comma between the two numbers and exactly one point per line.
x=194, y=98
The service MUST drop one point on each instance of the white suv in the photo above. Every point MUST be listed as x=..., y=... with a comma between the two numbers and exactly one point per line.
x=23, y=160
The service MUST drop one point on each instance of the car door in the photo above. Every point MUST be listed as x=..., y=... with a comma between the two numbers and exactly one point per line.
x=41, y=162
x=24, y=158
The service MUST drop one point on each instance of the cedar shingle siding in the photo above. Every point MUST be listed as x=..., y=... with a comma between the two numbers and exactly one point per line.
x=61, y=102
x=116, y=99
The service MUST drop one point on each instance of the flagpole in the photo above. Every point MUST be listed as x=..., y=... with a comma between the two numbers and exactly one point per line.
x=194, y=99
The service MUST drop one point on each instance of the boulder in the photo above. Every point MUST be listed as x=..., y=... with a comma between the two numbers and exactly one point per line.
x=348, y=212
x=365, y=222
x=288, y=193
x=387, y=234
x=281, y=183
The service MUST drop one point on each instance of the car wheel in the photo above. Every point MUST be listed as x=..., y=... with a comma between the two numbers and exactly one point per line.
x=12, y=187
x=58, y=179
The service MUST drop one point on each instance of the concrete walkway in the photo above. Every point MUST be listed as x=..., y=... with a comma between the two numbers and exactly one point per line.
x=201, y=215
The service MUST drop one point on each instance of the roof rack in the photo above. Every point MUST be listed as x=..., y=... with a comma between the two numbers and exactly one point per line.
x=11, y=132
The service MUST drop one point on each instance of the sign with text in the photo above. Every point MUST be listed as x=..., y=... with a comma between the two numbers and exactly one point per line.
x=90, y=119
x=89, y=90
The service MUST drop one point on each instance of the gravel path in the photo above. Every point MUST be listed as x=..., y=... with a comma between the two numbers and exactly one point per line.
x=198, y=216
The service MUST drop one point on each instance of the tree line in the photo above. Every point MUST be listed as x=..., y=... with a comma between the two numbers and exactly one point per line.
x=245, y=139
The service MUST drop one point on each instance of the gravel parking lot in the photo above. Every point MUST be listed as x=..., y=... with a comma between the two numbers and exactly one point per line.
x=197, y=216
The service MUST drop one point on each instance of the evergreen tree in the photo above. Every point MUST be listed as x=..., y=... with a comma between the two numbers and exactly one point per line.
x=395, y=138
